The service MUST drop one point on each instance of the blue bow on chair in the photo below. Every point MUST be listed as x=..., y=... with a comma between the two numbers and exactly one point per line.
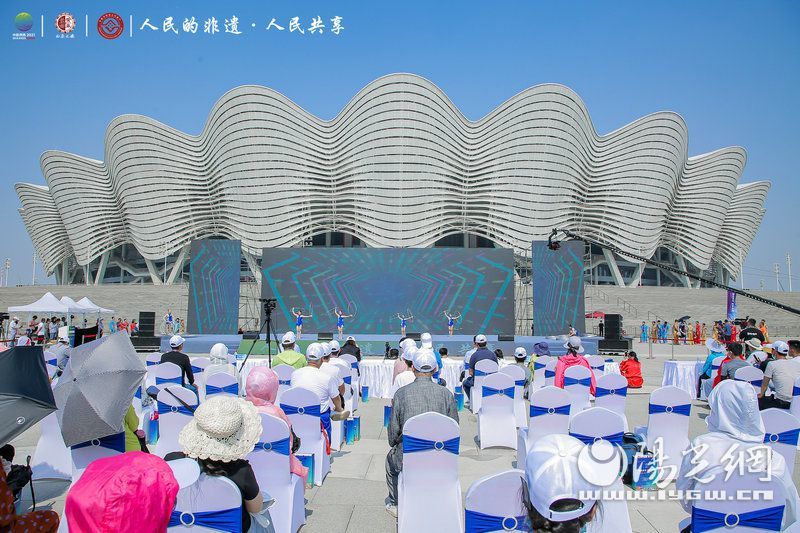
x=354, y=365
x=164, y=408
x=768, y=519
x=755, y=382
x=483, y=523
x=278, y=446
x=233, y=388
x=541, y=411
x=683, y=409
x=229, y=520
x=490, y=391
x=313, y=410
x=178, y=380
x=519, y=383
x=787, y=437
x=287, y=382
x=197, y=369
x=549, y=374
x=600, y=392
x=151, y=363
x=112, y=442
x=348, y=380
x=414, y=444
x=601, y=368
x=614, y=438
x=53, y=362
x=586, y=382
x=481, y=373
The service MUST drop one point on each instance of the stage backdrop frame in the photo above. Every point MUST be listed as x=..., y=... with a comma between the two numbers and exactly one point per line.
x=214, y=276
x=558, y=288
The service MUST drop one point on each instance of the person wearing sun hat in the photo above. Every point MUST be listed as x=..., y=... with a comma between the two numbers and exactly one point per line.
x=574, y=356
x=224, y=430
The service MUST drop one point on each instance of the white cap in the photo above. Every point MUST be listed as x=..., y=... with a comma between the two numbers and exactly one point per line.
x=315, y=352
x=424, y=360
x=326, y=349
x=289, y=338
x=409, y=354
x=176, y=341
x=575, y=343
x=427, y=340
x=520, y=353
x=406, y=345
x=552, y=473
x=480, y=339
x=334, y=346
x=779, y=346
x=16, y=318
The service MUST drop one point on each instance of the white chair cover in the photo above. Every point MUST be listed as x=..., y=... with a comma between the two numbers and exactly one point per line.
x=430, y=476
x=82, y=456
x=355, y=380
x=172, y=416
x=537, y=378
x=208, y=493
x=284, y=379
x=549, y=413
x=782, y=430
x=52, y=458
x=167, y=374
x=308, y=428
x=598, y=364
x=708, y=384
x=794, y=408
x=483, y=368
x=578, y=392
x=220, y=383
x=751, y=375
x=550, y=372
x=271, y=466
x=496, y=423
x=517, y=373
x=496, y=498
x=611, y=392
x=668, y=424
x=199, y=364
x=152, y=359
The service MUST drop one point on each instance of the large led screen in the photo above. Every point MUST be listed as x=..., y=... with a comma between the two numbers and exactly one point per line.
x=557, y=288
x=214, y=271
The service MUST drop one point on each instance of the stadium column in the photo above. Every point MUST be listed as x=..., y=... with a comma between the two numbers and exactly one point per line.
x=612, y=266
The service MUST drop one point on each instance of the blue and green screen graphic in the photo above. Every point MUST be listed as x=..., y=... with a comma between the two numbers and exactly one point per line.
x=378, y=286
x=214, y=271
x=558, y=288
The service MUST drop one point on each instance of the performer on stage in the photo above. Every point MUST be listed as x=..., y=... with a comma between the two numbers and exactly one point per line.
x=298, y=325
x=403, y=320
x=451, y=321
x=340, y=316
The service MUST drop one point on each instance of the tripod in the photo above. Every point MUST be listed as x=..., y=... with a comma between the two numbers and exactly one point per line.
x=269, y=305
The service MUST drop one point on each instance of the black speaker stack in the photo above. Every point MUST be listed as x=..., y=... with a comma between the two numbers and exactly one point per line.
x=146, y=340
x=613, y=327
x=613, y=341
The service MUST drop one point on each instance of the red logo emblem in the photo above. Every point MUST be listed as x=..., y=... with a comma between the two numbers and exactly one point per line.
x=110, y=25
x=65, y=23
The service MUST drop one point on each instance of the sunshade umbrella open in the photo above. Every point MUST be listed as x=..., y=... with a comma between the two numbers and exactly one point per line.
x=684, y=318
x=25, y=393
x=97, y=387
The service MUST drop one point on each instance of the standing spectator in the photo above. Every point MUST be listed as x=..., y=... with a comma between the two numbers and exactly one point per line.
x=13, y=329
x=40, y=332
x=479, y=354
x=573, y=357
x=47, y=330
x=751, y=332
x=176, y=356
x=134, y=327
x=112, y=325
x=631, y=369
x=782, y=373
x=653, y=332
x=794, y=348
x=734, y=333
x=762, y=326
x=54, y=325
x=601, y=327
x=100, y=327
x=698, y=332
x=727, y=331
x=643, y=332
x=288, y=355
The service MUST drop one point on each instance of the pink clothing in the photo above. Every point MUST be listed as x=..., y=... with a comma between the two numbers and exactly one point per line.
x=566, y=361
x=262, y=389
x=400, y=366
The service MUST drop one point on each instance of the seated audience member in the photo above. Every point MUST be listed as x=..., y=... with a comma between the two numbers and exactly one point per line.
x=127, y=493
x=262, y=389
x=736, y=356
x=781, y=373
x=573, y=357
x=794, y=348
x=176, y=356
x=420, y=396
x=553, y=486
x=400, y=363
x=219, y=362
x=404, y=378
x=481, y=353
x=223, y=431
x=427, y=343
x=133, y=435
x=331, y=369
x=499, y=353
x=631, y=369
x=520, y=355
x=735, y=436
x=718, y=376
x=323, y=385
x=715, y=349
x=344, y=366
x=540, y=349
x=350, y=347
x=36, y=521
x=288, y=355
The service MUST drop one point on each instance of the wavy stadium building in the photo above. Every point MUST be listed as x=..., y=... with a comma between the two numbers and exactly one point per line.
x=399, y=166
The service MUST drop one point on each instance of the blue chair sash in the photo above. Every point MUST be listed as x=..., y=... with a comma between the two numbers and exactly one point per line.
x=614, y=438
x=535, y=410
x=481, y=373
x=354, y=365
x=197, y=369
x=313, y=410
x=489, y=391
x=715, y=367
x=519, y=383
x=586, y=382
x=600, y=392
x=112, y=442
x=414, y=444
x=138, y=393
x=53, y=362
x=538, y=366
x=348, y=379
x=482, y=523
x=151, y=363
x=287, y=382
x=229, y=520
x=549, y=374
x=233, y=388
x=787, y=437
x=601, y=368
x=165, y=408
x=278, y=446
x=795, y=391
x=768, y=519
x=683, y=409
x=178, y=380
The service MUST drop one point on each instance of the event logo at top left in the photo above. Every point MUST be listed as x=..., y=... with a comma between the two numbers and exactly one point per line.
x=23, y=22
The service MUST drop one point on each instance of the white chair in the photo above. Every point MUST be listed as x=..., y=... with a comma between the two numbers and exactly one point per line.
x=209, y=494
x=168, y=374
x=172, y=416
x=493, y=503
x=270, y=462
x=430, y=474
x=152, y=359
x=782, y=429
x=598, y=365
x=517, y=373
x=611, y=391
x=537, y=378
x=86, y=452
x=220, y=383
x=199, y=364
x=302, y=407
x=483, y=368
x=738, y=516
x=708, y=384
x=667, y=432
x=577, y=382
x=496, y=423
x=752, y=375
x=51, y=459
x=284, y=379
x=550, y=372
x=549, y=413
x=794, y=408
x=354, y=379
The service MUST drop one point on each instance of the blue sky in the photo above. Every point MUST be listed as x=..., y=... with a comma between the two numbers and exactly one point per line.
x=730, y=68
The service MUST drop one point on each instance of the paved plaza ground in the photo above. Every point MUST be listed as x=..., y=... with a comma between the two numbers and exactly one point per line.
x=353, y=496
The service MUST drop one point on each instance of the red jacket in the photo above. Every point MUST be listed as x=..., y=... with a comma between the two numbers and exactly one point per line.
x=632, y=370
x=566, y=361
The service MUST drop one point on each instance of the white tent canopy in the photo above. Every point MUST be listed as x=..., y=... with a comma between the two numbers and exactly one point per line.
x=75, y=307
x=86, y=302
x=46, y=304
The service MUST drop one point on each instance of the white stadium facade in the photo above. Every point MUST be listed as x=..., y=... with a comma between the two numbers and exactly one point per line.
x=399, y=166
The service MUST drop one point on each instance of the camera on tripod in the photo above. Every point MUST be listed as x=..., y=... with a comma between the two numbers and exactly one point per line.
x=269, y=303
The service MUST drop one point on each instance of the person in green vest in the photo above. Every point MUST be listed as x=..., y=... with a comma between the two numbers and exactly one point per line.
x=288, y=355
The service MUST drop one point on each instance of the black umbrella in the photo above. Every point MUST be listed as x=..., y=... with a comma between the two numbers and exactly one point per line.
x=25, y=393
x=684, y=318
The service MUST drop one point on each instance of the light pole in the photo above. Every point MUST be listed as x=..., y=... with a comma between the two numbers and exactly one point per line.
x=777, y=269
x=7, y=268
x=33, y=270
x=789, y=268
